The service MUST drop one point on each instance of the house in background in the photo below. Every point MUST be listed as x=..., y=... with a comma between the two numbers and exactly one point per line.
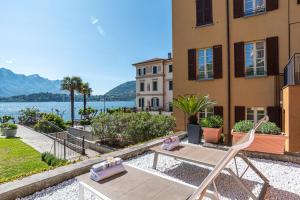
x=154, y=84
x=236, y=51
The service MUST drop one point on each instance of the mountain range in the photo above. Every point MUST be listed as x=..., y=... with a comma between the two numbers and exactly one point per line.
x=22, y=88
x=12, y=84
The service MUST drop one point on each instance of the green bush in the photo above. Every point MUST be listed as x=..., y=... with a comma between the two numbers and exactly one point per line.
x=269, y=128
x=114, y=110
x=243, y=126
x=43, y=125
x=122, y=129
x=214, y=121
x=85, y=122
x=51, y=160
x=9, y=126
x=29, y=116
x=5, y=119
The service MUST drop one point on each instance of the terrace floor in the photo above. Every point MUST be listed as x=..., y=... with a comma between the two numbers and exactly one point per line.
x=284, y=179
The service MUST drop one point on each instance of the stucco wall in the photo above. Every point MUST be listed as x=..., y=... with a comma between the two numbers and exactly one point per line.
x=291, y=110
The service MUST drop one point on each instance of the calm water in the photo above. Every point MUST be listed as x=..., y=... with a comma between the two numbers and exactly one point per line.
x=13, y=108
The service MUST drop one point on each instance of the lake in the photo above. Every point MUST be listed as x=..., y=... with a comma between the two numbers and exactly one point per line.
x=13, y=108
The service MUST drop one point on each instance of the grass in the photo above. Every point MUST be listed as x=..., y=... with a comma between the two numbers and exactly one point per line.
x=18, y=160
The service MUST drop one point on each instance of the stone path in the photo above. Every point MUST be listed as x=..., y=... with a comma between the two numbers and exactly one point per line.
x=43, y=143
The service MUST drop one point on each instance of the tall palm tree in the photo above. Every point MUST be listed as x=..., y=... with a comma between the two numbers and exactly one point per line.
x=86, y=91
x=72, y=84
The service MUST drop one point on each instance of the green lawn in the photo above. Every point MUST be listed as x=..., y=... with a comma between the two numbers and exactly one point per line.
x=17, y=160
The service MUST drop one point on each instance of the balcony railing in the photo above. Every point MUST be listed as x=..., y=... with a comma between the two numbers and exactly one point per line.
x=292, y=71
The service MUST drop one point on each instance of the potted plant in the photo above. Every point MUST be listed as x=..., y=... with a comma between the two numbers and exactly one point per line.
x=212, y=128
x=268, y=138
x=9, y=129
x=3, y=120
x=191, y=105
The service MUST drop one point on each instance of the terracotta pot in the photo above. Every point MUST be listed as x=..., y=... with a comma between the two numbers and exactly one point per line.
x=212, y=135
x=265, y=143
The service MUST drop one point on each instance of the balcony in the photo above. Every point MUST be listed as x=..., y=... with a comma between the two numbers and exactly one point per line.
x=292, y=71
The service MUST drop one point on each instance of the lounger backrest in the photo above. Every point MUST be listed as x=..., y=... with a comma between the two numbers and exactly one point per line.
x=231, y=153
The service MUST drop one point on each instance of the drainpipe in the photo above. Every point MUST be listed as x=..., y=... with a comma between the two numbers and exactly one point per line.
x=289, y=29
x=228, y=74
x=163, y=82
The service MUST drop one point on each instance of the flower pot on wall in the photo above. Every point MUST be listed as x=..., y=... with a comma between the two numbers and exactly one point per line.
x=194, y=133
x=9, y=133
x=265, y=143
x=212, y=135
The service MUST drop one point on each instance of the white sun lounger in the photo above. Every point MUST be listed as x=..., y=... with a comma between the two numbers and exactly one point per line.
x=137, y=184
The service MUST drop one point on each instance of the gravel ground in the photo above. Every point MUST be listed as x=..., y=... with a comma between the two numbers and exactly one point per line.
x=284, y=179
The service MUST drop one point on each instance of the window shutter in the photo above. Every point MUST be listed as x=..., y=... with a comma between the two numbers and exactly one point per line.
x=271, y=5
x=274, y=114
x=239, y=59
x=218, y=64
x=272, y=56
x=218, y=110
x=239, y=113
x=238, y=8
x=298, y=1
x=208, y=18
x=192, y=62
x=199, y=12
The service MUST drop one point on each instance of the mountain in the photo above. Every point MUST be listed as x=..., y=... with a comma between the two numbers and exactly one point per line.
x=12, y=84
x=125, y=91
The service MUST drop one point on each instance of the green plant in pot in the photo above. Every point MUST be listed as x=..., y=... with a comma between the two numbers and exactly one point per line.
x=212, y=128
x=9, y=129
x=191, y=105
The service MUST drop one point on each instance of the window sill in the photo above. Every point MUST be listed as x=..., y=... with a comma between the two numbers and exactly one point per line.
x=255, y=14
x=256, y=76
x=203, y=26
x=206, y=79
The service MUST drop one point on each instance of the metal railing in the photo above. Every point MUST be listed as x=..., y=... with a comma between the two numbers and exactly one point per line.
x=292, y=71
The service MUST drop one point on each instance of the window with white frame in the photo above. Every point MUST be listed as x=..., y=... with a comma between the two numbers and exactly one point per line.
x=255, y=62
x=142, y=86
x=154, y=86
x=144, y=71
x=252, y=7
x=205, y=64
x=255, y=114
x=139, y=72
x=206, y=112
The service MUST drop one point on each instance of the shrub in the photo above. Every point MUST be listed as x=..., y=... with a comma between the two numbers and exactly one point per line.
x=114, y=110
x=123, y=129
x=89, y=112
x=214, y=121
x=29, y=116
x=9, y=126
x=51, y=160
x=85, y=122
x=270, y=128
x=243, y=126
x=5, y=119
x=54, y=119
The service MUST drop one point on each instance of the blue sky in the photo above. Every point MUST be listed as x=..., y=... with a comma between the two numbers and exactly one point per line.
x=95, y=39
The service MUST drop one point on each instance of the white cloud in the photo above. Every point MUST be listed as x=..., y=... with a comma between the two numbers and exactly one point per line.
x=94, y=20
x=9, y=62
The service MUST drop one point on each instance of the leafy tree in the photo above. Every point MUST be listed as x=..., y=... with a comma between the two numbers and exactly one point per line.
x=72, y=84
x=86, y=91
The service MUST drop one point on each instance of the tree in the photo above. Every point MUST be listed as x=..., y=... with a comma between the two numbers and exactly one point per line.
x=86, y=91
x=191, y=105
x=72, y=84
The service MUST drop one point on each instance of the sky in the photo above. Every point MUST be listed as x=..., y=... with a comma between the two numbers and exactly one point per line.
x=98, y=40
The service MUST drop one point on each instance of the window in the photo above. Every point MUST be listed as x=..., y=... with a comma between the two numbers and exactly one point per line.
x=141, y=102
x=139, y=72
x=207, y=112
x=154, y=69
x=255, y=114
x=155, y=102
x=205, y=64
x=204, y=12
x=154, y=85
x=170, y=85
x=255, y=59
x=170, y=68
x=142, y=87
x=144, y=71
x=252, y=7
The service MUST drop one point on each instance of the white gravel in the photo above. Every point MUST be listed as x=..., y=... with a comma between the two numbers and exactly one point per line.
x=284, y=179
